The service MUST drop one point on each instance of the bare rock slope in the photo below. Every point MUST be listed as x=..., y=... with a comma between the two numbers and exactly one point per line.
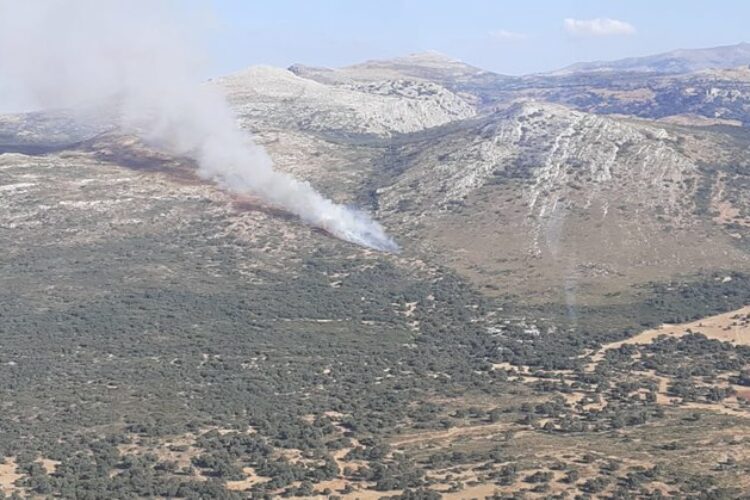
x=543, y=199
x=276, y=97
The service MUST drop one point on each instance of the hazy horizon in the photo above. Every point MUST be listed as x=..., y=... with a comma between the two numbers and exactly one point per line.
x=511, y=39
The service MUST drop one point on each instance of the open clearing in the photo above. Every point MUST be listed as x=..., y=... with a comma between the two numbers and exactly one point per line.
x=733, y=326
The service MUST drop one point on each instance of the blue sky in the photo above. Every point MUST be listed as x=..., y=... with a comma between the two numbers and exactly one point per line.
x=512, y=37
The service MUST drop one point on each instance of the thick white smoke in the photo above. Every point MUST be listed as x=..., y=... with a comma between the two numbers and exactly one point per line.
x=135, y=57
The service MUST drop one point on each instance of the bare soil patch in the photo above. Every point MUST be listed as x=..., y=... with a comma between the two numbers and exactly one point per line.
x=733, y=326
x=8, y=476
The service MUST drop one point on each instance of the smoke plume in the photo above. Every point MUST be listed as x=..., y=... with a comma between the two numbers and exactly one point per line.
x=135, y=61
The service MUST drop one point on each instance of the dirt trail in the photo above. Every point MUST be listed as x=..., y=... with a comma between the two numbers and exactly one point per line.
x=473, y=430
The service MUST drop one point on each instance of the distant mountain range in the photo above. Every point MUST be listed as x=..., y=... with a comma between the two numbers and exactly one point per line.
x=435, y=66
x=674, y=61
x=703, y=86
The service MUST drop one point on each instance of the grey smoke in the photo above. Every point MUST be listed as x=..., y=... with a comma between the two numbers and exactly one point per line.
x=137, y=60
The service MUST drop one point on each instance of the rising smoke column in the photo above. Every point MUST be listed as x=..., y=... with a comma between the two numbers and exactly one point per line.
x=133, y=60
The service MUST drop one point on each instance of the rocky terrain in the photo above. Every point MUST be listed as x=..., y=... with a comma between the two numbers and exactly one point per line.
x=163, y=338
x=712, y=91
x=514, y=200
x=709, y=97
x=267, y=97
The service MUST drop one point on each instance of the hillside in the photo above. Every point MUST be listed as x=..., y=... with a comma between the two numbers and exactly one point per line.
x=545, y=202
x=164, y=338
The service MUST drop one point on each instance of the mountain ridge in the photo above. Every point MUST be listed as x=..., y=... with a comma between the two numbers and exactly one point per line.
x=674, y=61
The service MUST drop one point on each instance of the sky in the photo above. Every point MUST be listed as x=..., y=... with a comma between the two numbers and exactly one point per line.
x=509, y=37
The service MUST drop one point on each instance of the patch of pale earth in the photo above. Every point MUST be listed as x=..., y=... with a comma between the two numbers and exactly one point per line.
x=478, y=487
x=595, y=406
x=661, y=395
x=478, y=491
x=367, y=494
x=8, y=476
x=50, y=466
x=663, y=489
x=573, y=398
x=472, y=430
x=291, y=454
x=410, y=308
x=733, y=326
x=331, y=484
x=729, y=214
x=503, y=366
x=250, y=480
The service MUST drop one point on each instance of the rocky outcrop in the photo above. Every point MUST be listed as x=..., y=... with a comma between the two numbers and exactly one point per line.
x=554, y=154
x=270, y=97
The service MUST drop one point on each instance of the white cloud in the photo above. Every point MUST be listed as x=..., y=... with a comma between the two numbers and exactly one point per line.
x=600, y=26
x=508, y=36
